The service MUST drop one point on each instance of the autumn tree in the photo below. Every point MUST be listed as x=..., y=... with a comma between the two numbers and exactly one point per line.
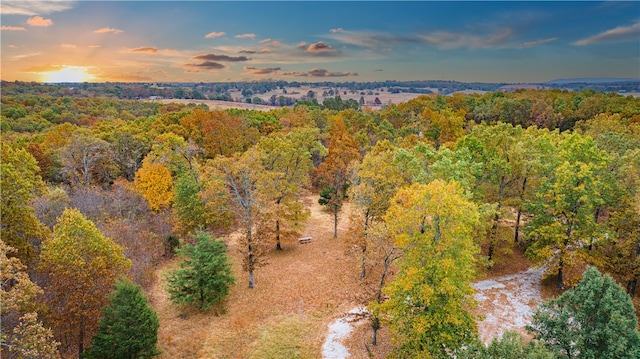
x=375, y=182
x=286, y=159
x=242, y=174
x=23, y=335
x=154, y=182
x=128, y=328
x=82, y=266
x=20, y=183
x=427, y=313
x=564, y=227
x=596, y=319
x=499, y=175
x=204, y=276
x=334, y=173
x=87, y=159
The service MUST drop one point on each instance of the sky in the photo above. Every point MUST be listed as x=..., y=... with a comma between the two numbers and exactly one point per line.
x=309, y=41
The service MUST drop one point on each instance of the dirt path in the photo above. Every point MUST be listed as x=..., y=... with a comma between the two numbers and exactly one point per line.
x=507, y=302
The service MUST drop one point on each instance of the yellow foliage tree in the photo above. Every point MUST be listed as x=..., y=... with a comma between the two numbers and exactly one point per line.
x=82, y=266
x=153, y=181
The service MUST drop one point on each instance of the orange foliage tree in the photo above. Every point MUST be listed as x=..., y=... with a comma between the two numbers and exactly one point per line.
x=334, y=174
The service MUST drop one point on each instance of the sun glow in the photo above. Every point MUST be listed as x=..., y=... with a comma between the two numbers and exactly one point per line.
x=69, y=74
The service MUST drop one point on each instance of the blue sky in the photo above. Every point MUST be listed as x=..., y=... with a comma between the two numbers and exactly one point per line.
x=159, y=41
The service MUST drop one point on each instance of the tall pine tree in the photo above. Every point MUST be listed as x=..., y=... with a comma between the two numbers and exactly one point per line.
x=129, y=327
x=204, y=276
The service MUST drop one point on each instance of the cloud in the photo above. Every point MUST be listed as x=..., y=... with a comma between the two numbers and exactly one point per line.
x=107, y=30
x=450, y=40
x=245, y=36
x=251, y=52
x=214, y=34
x=12, y=28
x=275, y=43
x=214, y=57
x=24, y=56
x=39, y=21
x=265, y=41
x=620, y=33
x=95, y=46
x=68, y=46
x=538, y=42
x=321, y=49
x=370, y=38
x=43, y=68
x=377, y=70
x=145, y=50
x=33, y=7
x=207, y=65
x=318, y=72
x=261, y=70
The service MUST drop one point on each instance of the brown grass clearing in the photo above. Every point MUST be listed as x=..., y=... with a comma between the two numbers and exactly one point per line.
x=315, y=282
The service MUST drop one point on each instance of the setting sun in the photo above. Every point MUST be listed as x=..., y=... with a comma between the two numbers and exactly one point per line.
x=68, y=74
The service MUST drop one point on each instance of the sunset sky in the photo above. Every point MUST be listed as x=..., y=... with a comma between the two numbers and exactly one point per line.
x=210, y=41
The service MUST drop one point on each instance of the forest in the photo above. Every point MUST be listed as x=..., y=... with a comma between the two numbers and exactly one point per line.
x=99, y=193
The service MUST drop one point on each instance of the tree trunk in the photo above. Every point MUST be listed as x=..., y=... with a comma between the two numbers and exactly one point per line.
x=515, y=238
x=251, y=284
x=364, y=271
x=375, y=324
x=335, y=222
x=559, y=283
x=631, y=287
x=278, y=247
x=524, y=186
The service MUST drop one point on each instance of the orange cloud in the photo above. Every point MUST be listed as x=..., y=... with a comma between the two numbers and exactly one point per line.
x=321, y=49
x=12, y=28
x=39, y=21
x=261, y=70
x=68, y=46
x=245, y=36
x=147, y=50
x=106, y=30
x=215, y=34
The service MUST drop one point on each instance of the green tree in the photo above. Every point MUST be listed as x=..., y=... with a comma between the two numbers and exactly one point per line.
x=204, y=276
x=82, y=266
x=565, y=227
x=427, y=313
x=20, y=184
x=596, y=319
x=128, y=328
x=510, y=345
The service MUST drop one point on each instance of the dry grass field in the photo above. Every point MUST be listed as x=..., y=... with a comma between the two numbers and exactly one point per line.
x=301, y=290
x=298, y=293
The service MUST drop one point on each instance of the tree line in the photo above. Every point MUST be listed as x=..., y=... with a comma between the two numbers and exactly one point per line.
x=437, y=186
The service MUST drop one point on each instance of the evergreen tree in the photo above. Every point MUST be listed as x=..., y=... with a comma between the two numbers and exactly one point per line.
x=204, y=276
x=129, y=327
x=596, y=319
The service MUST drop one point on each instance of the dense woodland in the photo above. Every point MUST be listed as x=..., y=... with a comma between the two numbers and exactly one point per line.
x=97, y=192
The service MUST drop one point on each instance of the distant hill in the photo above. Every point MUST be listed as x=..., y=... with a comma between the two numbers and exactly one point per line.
x=590, y=80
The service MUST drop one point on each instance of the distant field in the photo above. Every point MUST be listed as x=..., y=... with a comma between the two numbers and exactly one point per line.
x=222, y=105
